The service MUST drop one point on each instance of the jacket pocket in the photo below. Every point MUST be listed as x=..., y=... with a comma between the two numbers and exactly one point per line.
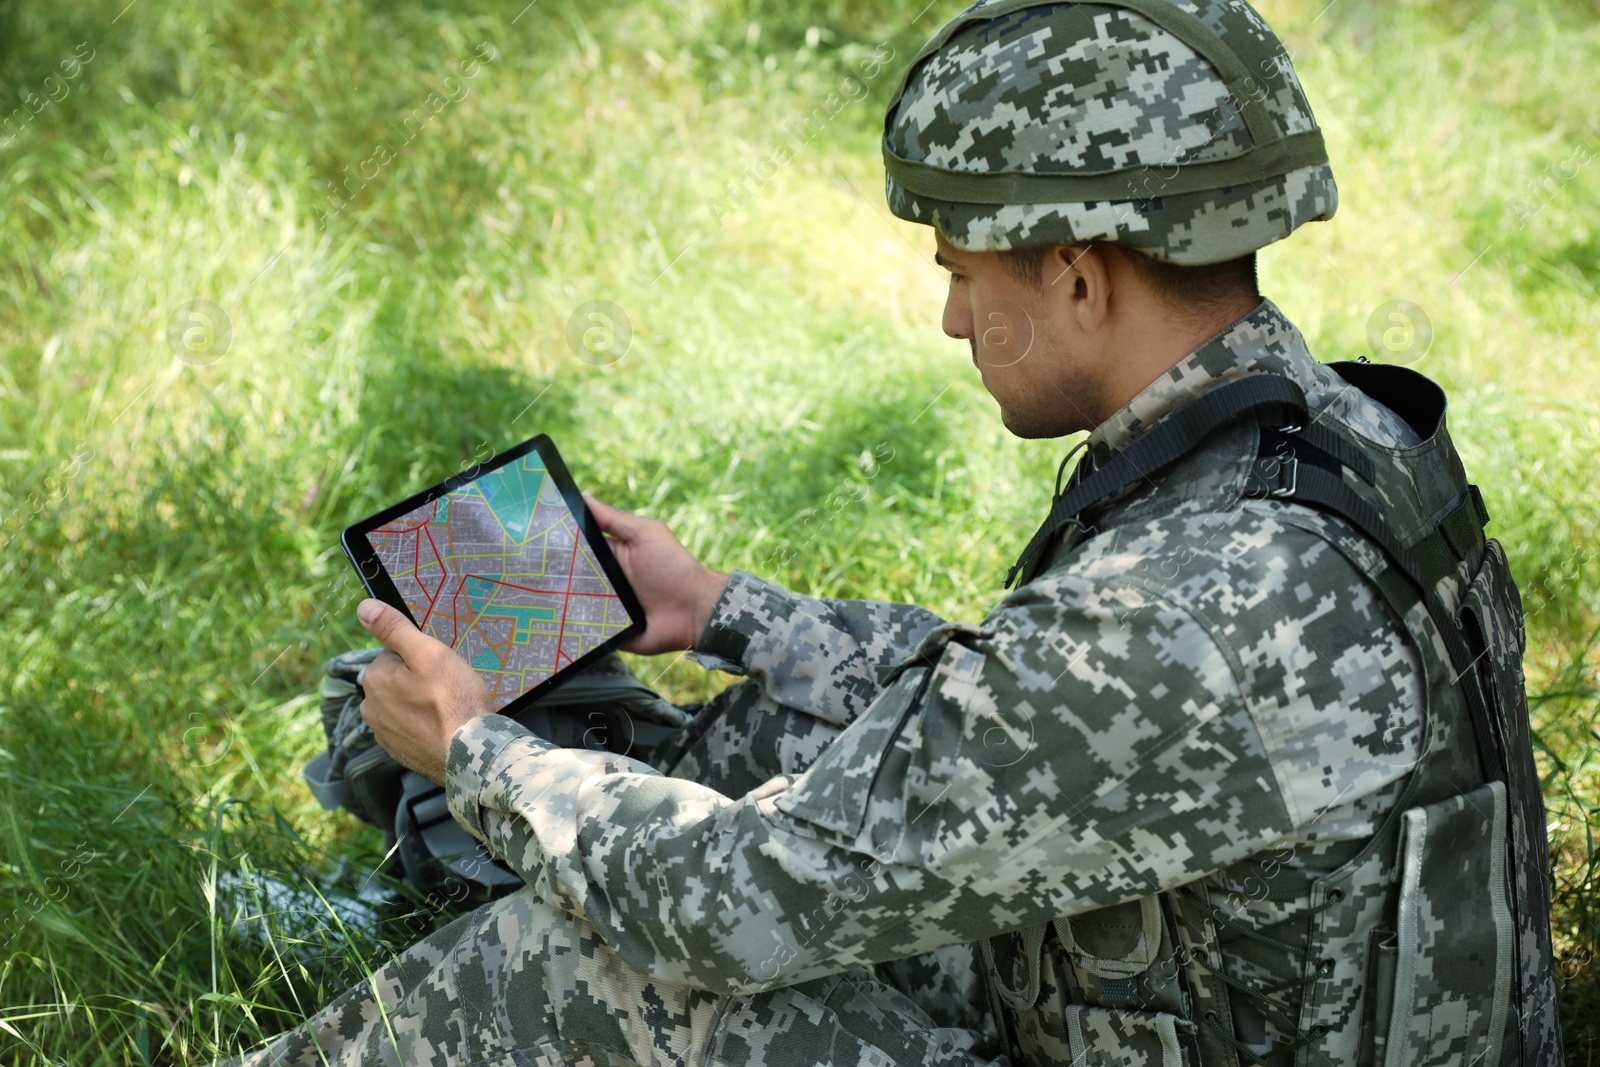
x=1454, y=937
x=1103, y=1037
x=832, y=793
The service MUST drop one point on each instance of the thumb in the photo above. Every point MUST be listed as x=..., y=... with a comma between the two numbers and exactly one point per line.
x=613, y=520
x=390, y=626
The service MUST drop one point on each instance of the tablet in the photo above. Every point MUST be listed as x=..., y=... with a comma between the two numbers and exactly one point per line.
x=504, y=563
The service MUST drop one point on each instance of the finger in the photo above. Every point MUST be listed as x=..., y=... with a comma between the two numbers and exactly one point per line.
x=380, y=670
x=614, y=520
x=393, y=629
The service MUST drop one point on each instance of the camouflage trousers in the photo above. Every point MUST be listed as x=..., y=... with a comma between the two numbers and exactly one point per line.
x=518, y=983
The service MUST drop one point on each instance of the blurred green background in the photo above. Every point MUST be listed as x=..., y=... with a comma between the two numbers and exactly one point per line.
x=391, y=248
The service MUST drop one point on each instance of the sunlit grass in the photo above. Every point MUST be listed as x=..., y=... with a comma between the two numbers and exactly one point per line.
x=169, y=574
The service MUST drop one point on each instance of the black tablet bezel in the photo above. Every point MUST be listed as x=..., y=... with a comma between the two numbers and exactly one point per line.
x=378, y=584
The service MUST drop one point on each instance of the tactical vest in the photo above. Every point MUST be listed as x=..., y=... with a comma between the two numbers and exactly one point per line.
x=1427, y=943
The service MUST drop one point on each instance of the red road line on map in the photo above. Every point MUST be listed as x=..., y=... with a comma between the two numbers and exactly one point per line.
x=416, y=573
x=416, y=576
x=416, y=563
x=437, y=559
x=455, y=612
x=562, y=633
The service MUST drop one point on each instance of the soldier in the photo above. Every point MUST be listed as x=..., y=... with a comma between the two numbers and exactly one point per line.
x=1237, y=773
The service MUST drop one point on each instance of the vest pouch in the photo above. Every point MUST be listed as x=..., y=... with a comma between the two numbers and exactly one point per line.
x=1118, y=942
x=1454, y=938
x=1102, y=1037
x=1378, y=999
x=1491, y=619
x=1121, y=943
x=1119, y=957
x=1012, y=966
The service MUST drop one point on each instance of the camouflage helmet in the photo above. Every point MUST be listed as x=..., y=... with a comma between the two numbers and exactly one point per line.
x=1174, y=127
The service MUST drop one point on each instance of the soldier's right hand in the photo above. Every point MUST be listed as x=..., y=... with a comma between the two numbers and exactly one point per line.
x=676, y=591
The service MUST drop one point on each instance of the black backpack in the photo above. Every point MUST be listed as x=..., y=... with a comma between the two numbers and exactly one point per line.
x=603, y=706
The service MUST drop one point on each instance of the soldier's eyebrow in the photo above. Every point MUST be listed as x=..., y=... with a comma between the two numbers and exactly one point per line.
x=939, y=258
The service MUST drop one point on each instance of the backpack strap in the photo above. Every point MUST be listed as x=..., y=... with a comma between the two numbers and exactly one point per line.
x=1277, y=400
x=1304, y=461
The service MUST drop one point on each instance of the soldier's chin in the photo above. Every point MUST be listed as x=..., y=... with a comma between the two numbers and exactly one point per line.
x=1033, y=426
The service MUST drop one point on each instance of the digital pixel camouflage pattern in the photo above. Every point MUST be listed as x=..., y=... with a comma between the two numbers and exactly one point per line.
x=1200, y=792
x=1144, y=788
x=1179, y=129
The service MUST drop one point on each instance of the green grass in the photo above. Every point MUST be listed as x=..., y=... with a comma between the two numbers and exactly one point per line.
x=169, y=576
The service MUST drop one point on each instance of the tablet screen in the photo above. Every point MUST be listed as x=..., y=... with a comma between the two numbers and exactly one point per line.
x=499, y=569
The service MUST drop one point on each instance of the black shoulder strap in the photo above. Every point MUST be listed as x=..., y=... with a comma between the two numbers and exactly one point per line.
x=1278, y=400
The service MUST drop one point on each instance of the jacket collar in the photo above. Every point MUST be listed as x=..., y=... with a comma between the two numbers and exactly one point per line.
x=1262, y=342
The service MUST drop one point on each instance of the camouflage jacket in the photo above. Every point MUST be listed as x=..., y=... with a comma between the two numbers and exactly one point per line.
x=1207, y=703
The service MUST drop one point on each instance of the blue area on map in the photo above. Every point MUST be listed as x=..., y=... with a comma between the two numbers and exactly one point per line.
x=442, y=512
x=512, y=492
x=487, y=660
x=480, y=591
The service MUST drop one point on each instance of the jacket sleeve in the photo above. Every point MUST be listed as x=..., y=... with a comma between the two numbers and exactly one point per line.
x=1173, y=701
x=824, y=657
x=1087, y=744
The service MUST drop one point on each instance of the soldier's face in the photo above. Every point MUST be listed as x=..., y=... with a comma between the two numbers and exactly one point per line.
x=1029, y=349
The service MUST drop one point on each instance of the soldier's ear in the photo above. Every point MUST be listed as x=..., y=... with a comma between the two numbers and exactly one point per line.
x=1080, y=275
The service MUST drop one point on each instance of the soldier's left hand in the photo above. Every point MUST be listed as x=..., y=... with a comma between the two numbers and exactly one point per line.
x=418, y=692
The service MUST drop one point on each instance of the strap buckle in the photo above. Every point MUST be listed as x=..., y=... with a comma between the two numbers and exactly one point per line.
x=1285, y=459
x=1294, y=479
x=1274, y=476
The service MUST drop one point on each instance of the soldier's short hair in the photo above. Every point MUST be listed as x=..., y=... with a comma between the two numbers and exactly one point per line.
x=1196, y=286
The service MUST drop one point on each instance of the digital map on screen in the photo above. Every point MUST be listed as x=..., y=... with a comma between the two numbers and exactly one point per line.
x=499, y=571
